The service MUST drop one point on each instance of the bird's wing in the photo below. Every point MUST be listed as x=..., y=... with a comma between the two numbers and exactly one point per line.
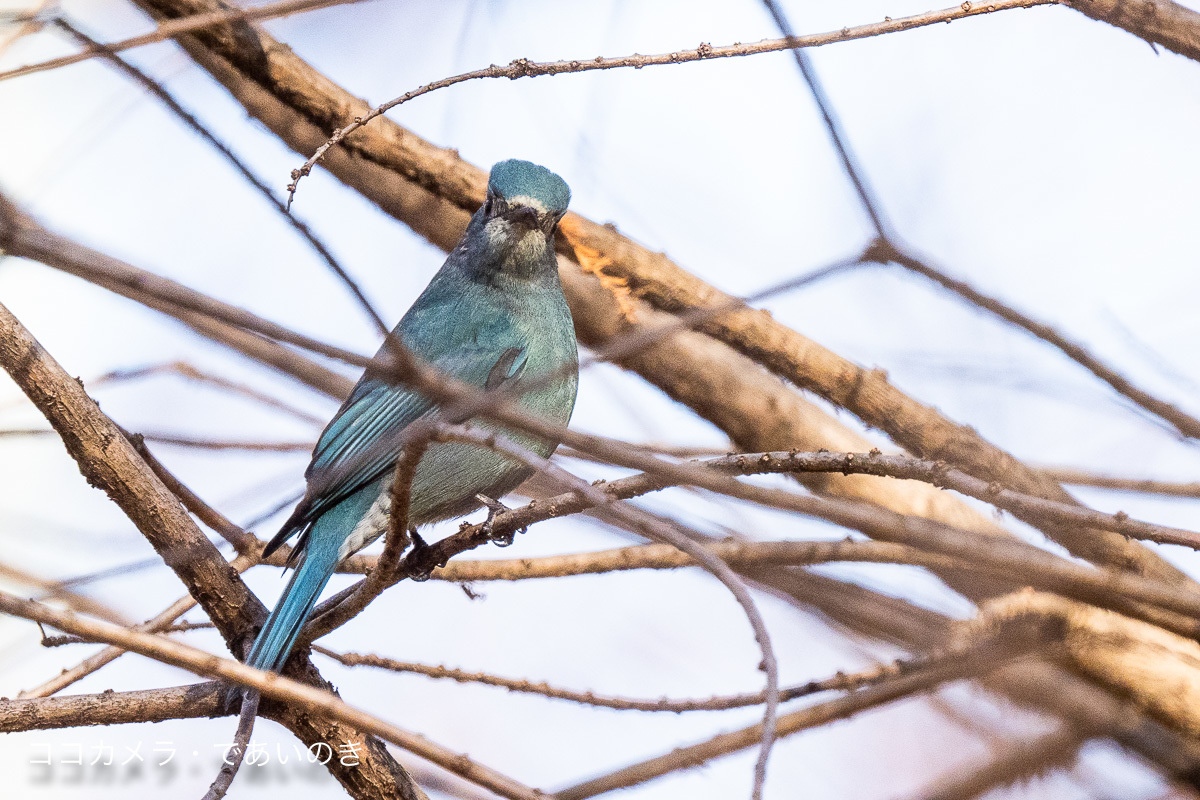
x=362, y=442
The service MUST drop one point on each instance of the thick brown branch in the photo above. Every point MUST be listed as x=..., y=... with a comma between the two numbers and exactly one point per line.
x=109, y=462
x=113, y=708
x=1157, y=21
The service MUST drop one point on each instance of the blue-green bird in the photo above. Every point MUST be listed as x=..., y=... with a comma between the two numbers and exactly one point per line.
x=493, y=315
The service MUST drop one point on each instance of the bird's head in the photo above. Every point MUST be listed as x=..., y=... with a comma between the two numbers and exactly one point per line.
x=524, y=204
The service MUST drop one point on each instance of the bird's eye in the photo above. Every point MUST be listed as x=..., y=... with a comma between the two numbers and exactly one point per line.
x=487, y=207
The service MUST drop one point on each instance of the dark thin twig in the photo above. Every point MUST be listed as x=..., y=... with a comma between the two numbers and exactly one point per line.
x=832, y=124
x=166, y=98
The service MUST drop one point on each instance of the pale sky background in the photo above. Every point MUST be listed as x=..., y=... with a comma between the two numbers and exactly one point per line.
x=1048, y=159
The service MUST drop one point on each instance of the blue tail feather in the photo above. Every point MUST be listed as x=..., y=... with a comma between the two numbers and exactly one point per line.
x=275, y=641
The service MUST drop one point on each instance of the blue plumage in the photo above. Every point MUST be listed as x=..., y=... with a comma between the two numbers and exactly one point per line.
x=493, y=314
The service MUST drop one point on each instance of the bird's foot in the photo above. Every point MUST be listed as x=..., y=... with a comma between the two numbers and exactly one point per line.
x=419, y=557
x=495, y=507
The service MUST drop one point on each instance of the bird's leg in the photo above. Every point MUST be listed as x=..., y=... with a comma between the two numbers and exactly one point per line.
x=495, y=507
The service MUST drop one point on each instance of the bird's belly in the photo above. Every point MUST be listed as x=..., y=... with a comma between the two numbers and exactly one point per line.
x=444, y=486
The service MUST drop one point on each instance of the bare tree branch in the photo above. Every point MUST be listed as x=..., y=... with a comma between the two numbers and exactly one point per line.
x=113, y=708
x=839, y=682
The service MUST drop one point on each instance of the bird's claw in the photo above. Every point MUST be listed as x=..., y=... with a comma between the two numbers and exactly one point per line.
x=495, y=507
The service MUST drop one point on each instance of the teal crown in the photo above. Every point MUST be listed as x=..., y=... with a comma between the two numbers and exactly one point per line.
x=515, y=178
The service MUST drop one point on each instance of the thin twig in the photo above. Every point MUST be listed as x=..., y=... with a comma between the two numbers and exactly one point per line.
x=887, y=248
x=839, y=682
x=1184, y=423
x=524, y=68
x=190, y=442
x=1019, y=761
x=192, y=373
x=838, y=136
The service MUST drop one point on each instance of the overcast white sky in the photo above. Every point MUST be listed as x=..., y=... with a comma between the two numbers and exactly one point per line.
x=1048, y=159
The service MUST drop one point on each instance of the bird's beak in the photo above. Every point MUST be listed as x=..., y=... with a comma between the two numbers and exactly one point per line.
x=524, y=216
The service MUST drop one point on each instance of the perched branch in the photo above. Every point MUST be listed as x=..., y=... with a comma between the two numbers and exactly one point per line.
x=652, y=527
x=385, y=571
